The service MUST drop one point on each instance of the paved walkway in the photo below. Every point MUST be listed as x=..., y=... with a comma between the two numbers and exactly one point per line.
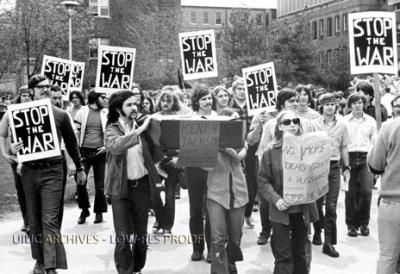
x=90, y=247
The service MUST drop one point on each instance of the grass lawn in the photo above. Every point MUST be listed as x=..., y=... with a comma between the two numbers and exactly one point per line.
x=8, y=194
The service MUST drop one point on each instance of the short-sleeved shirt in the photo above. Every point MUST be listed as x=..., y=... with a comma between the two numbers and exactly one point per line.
x=338, y=133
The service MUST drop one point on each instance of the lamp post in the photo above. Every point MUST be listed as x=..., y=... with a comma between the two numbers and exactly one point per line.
x=70, y=5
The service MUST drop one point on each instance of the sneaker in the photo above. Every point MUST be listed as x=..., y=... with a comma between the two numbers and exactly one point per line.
x=317, y=239
x=156, y=227
x=255, y=208
x=167, y=232
x=364, y=230
x=38, y=268
x=51, y=271
x=352, y=232
x=263, y=238
x=249, y=222
x=329, y=250
x=25, y=228
x=197, y=255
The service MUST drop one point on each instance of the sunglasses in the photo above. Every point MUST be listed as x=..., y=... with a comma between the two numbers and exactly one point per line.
x=287, y=122
x=42, y=86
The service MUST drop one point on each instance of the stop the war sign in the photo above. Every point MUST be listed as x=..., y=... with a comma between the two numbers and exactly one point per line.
x=115, y=68
x=198, y=55
x=66, y=74
x=373, y=45
x=261, y=88
x=33, y=124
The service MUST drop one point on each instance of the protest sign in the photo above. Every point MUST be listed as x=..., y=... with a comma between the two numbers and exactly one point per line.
x=33, y=124
x=199, y=141
x=66, y=74
x=198, y=54
x=115, y=68
x=305, y=162
x=373, y=45
x=261, y=90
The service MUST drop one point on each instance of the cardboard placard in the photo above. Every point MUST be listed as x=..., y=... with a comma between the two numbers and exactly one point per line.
x=66, y=74
x=33, y=124
x=373, y=45
x=261, y=88
x=305, y=162
x=198, y=54
x=115, y=67
x=199, y=141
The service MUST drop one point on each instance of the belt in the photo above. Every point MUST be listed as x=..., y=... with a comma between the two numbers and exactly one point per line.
x=135, y=183
x=41, y=164
x=334, y=162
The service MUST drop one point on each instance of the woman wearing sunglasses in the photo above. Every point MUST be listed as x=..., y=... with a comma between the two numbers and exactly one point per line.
x=289, y=223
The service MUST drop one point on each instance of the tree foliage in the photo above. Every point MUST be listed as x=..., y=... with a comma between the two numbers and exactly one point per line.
x=294, y=55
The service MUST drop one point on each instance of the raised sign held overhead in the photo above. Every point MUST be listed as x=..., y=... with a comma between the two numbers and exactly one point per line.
x=115, y=68
x=373, y=45
x=33, y=124
x=66, y=74
x=261, y=88
x=198, y=54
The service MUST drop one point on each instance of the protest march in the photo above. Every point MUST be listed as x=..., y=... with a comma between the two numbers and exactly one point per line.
x=246, y=144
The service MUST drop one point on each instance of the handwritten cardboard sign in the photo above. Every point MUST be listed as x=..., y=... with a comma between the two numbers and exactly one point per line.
x=33, y=124
x=198, y=54
x=66, y=74
x=199, y=141
x=305, y=162
x=261, y=88
x=115, y=68
x=373, y=45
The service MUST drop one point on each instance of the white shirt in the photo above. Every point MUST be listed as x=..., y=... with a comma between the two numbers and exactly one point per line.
x=135, y=161
x=362, y=132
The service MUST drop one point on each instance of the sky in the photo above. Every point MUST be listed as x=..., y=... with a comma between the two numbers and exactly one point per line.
x=266, y=4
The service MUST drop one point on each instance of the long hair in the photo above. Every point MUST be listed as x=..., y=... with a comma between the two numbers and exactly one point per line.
x=77, y=94
x=151, y=101
x=278, y=134
x=169, y=94
x=218, y=89
x=93, y=96
x=307, y=90
x=356, y=97
x=115, y=104
x=199, y=92
x=284, y=95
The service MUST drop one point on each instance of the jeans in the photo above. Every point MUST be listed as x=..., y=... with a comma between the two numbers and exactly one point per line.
x=388, y=236
x=130, y=216
x=20, y=193
x=197, y=190
x=98, y=162
x=44, y=189
x=331, y=198
x=226, y=233
x=288, y=245
x=319, y=224
x=251, y=178
x=358, y=197
x=264, y=216
x=165, y=214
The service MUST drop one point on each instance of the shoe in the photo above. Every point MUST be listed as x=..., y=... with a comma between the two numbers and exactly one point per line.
x=364, y=230
x=51, y=271
x=38, y=268
x=317, y=239
x=82, y=217
x=167, y=232
x=208, y=258
x=151, y=212
x=177, y=195
x=98, y=218
x=232, y=268
x=255, y=208
x=352, y=232
x=263, y=238
x=329, y=250
x=156, y=227
x=249, y=222
x=197, y=255
x=25, y=228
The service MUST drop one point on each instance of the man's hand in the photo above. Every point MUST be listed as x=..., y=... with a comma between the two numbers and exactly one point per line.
x=15, y=147
x=281, y=205
x=101, y=150
x=346, y=175
x=80, y=177
x=173, y=161
x=71, y=169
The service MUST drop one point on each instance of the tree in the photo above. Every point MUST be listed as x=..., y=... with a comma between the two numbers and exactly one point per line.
x=243, y=44
x=294, y=54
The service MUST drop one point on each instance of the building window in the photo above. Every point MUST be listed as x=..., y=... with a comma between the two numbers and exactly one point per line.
x=100, y=8
x=259, y=19
x=205, y=18
x=267, y=19
x=329, y=57
x=337, y=25
x=314, y=30
x=321, y=60
x=218, y=18
x=329, y=27
x=321, y=28
x=344, y=23
x=218, y=38
x=94, y=44
x=193, y=19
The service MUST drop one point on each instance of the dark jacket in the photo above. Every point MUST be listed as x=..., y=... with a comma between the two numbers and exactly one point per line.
x=270, y=186
x=117, y=145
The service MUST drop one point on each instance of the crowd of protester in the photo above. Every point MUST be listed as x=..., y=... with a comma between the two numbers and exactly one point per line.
x=108, y=135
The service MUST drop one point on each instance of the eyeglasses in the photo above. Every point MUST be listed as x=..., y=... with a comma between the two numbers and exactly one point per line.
x=42, y=86
x=287, y=122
